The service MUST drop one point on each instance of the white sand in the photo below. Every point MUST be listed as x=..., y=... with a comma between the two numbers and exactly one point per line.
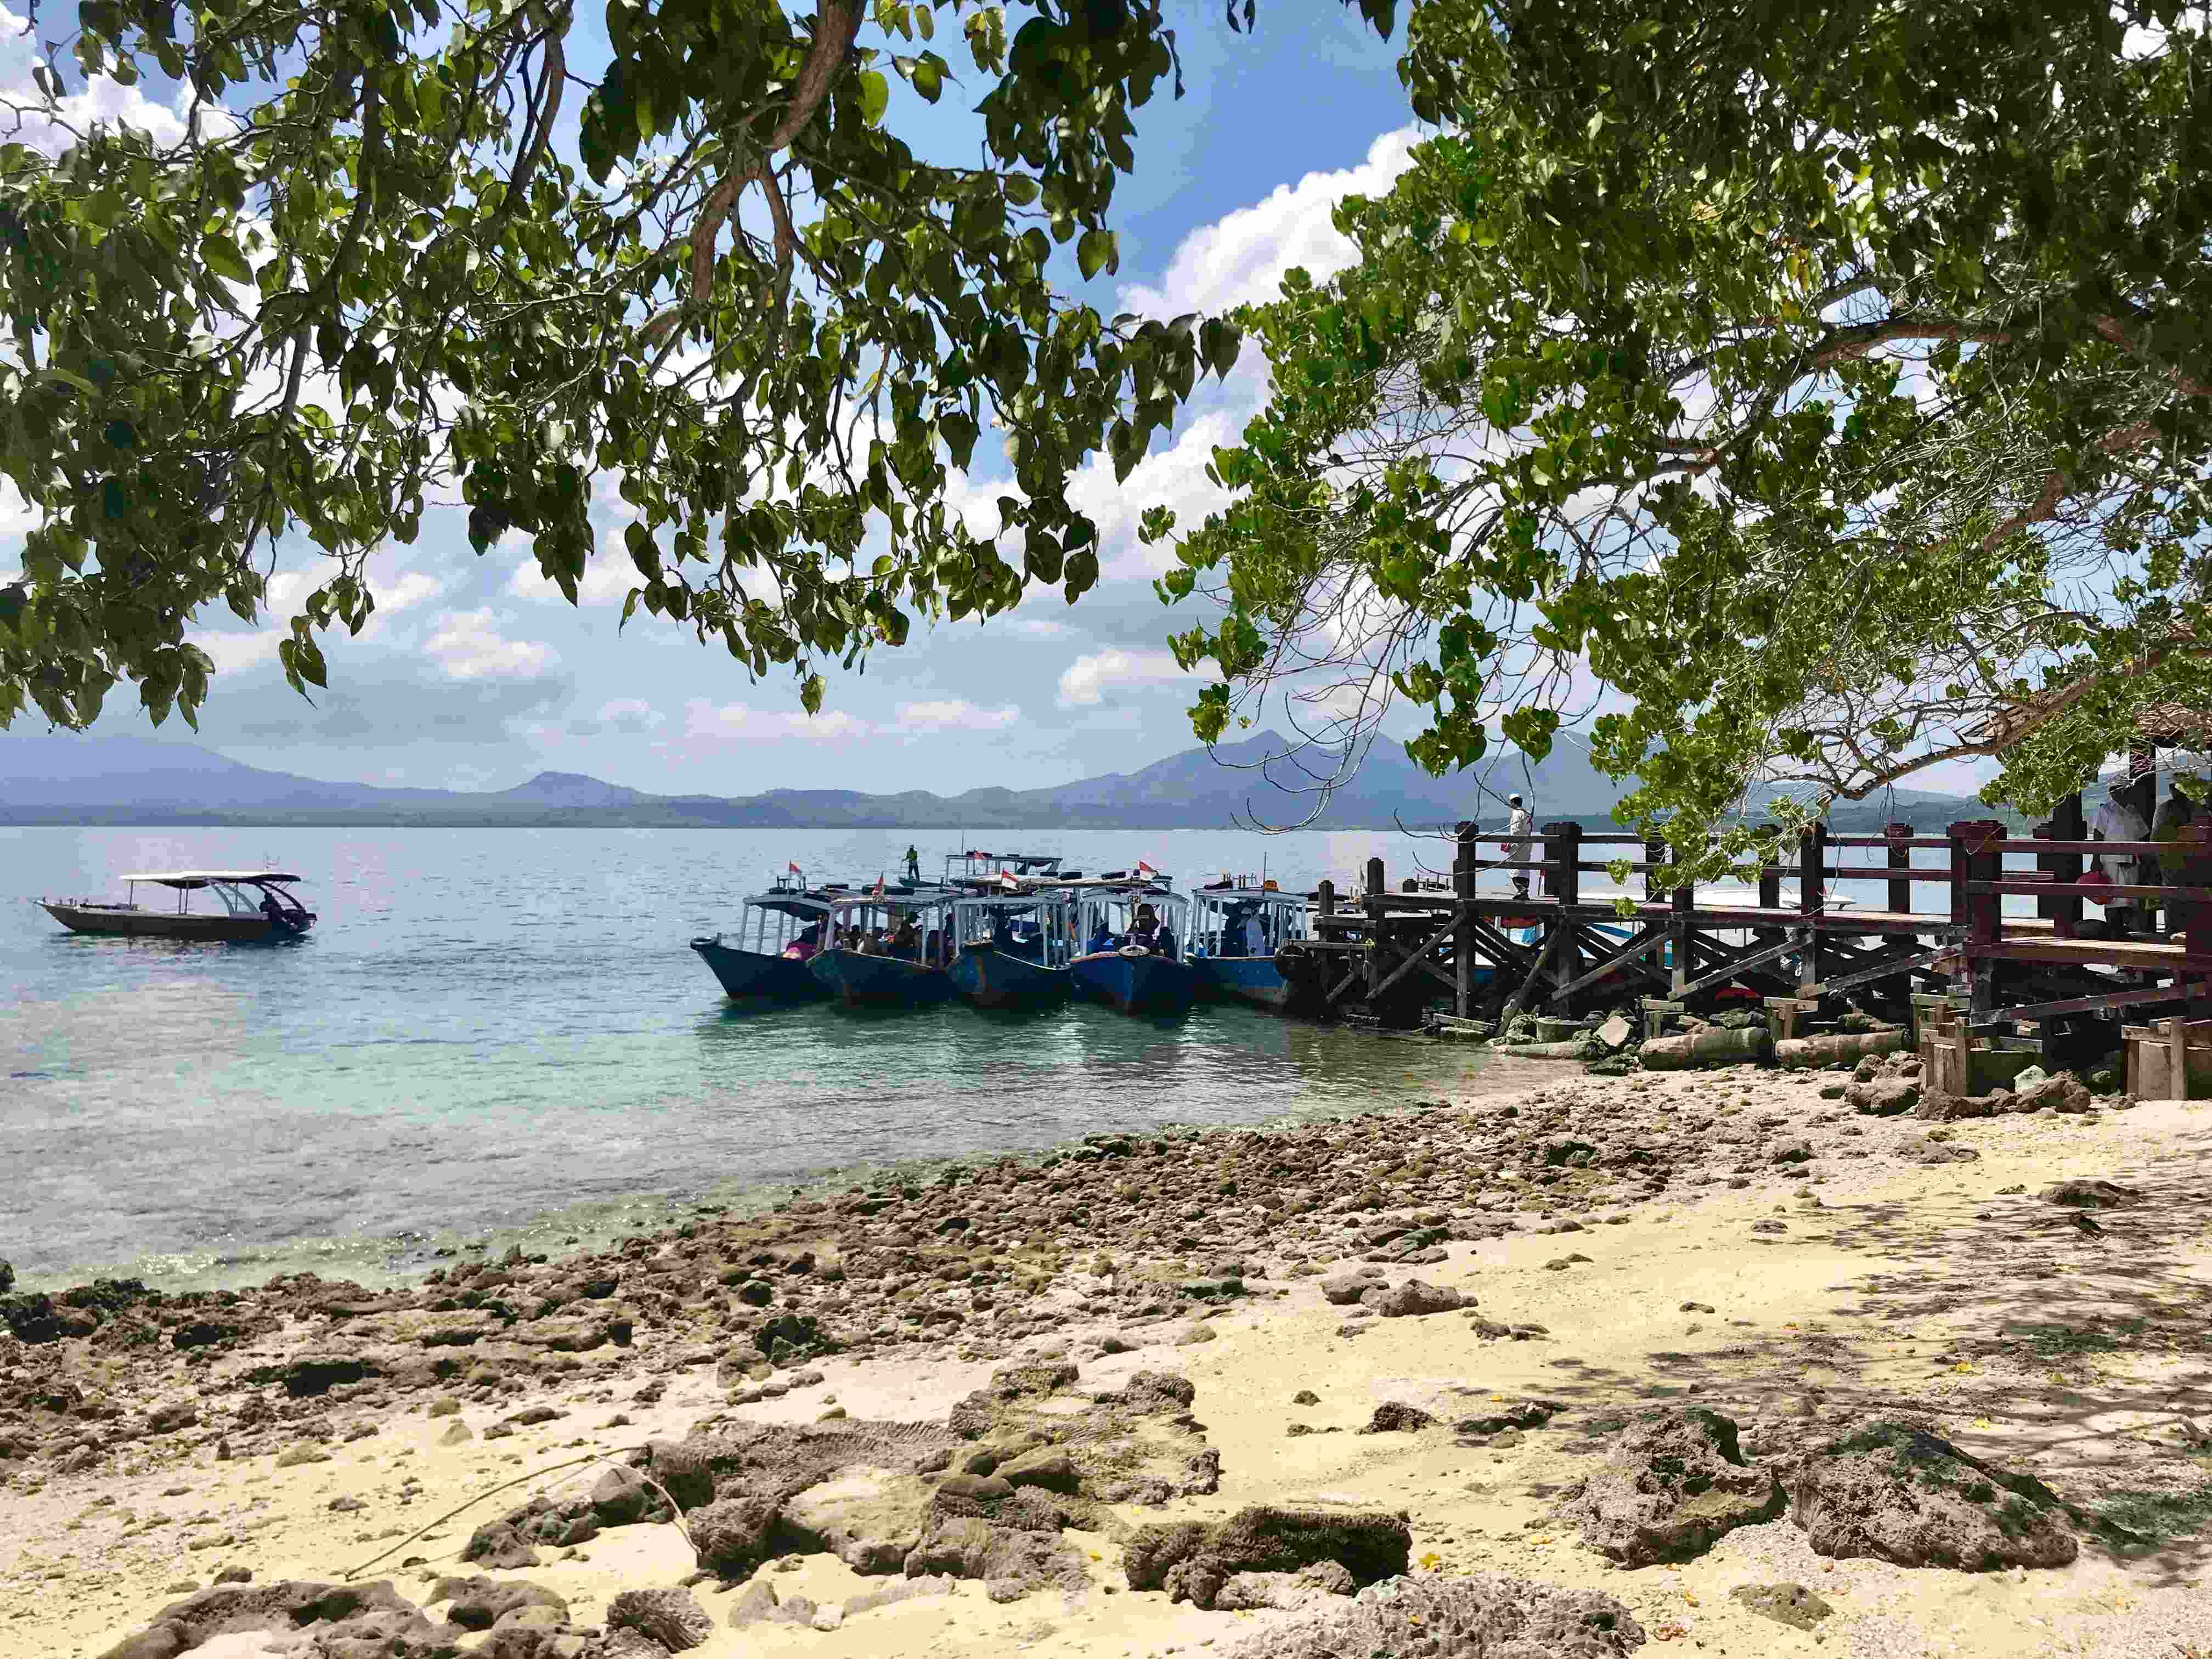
x=2036, y=1346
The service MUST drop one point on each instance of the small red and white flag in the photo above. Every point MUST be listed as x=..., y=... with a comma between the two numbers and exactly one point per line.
x=879, y=884
x=795, y=870
x=1010, y=881
x=1145, y=869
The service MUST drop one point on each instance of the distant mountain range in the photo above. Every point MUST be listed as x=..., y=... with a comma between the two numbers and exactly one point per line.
x=93, y=778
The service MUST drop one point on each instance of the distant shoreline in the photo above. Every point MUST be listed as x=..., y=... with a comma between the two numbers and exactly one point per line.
x=1855, y=822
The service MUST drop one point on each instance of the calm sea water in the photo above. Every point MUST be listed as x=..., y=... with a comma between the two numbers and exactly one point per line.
x=500, y=1035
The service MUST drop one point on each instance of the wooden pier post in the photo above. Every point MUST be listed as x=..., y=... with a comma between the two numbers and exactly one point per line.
x=2067, y=823
x=1900, y=857
x=1978, y=855
x=1466, y=857
x=1770, y=873
x=1564, y=849
x=2193, y=916
x=1683, y=928
x=1325, y=897
x=1377, y=897
x=1812, y=886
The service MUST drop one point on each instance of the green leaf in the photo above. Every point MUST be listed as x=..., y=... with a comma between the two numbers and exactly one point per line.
x=1096, y=252
x=220, y=255
x=875, y=96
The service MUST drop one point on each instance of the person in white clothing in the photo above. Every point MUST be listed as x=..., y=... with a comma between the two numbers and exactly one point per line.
x=1518, y=826
x=2117, y=820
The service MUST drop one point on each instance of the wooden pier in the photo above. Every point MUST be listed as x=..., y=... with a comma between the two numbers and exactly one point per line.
x=1389, y=956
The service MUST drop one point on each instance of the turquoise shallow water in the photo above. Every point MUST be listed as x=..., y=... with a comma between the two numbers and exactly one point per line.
x=501, y=1034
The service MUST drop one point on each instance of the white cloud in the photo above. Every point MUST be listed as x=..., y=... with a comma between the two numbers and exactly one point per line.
x=958, y=715
x=1035, y=627
x=631, y=715
x=17, y=516
x=469, y=645
x=737, y=722
x=103, y=102
x=608, y=575
x=11, y=24
x=1088, y=680
x=233, y=652
x=1243, y=257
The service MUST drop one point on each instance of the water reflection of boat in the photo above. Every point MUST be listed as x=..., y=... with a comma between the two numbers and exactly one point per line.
x=257, y=907
x=1012, y=948
x=1234, y=934
x=1133, y=966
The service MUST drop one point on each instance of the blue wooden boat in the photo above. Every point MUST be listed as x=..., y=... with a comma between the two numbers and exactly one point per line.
x=871, y=982
x=1235, y=931
x=1013, y=945
x=1135, y=981
x=996, y=979
x=1136, y=937
x=750, y=974
x=769, y=958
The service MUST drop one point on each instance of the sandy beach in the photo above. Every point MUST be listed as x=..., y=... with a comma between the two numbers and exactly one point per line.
x=989, y=1394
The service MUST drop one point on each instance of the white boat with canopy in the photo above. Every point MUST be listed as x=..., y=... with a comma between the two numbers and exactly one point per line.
x=255, y=907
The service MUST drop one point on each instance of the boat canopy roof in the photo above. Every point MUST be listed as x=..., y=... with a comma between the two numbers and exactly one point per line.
x=207, y=878
x=792, y=901
x=1261, y=895
x=1034, y=900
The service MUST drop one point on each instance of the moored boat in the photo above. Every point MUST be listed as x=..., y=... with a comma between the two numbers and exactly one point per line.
x=1134, y=963
x=1234, y=934
x=903, y=965
x=785, y=927
x=1014, y=948
x=258, y=908
x=1135, y=980
x=859, y=980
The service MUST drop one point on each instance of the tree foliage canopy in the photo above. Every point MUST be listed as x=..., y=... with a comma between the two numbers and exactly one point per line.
x=1793, y=391
x=408, y=245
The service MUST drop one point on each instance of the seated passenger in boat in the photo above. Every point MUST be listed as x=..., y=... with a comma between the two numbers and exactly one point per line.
x=905, y=941
x=1164, y=941
x=806, y=945
x=1144, y=934
x=932, y=947
x=1101, y=940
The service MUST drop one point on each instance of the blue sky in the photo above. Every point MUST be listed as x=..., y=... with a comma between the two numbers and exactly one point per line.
x=476, y=674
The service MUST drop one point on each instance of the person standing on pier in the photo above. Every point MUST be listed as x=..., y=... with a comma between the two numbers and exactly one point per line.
x=1518, y=826
x=2117, y=820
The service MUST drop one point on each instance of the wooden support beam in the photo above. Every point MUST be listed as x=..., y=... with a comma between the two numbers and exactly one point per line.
x=2092, y=1004
x=1519, y=999
x=1651, y=939
x=1923, y=961
x=1753, y=959
x=1407, y=964
x=1501, y=950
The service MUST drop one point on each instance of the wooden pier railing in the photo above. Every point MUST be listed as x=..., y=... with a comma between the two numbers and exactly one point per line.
x=1560, y=950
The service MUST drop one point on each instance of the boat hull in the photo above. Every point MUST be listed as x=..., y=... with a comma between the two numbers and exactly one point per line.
x=861, y=981
x=1140, y=984
x=1252, y=980
x=993, y=979
x=754, y=975
x=122, y=921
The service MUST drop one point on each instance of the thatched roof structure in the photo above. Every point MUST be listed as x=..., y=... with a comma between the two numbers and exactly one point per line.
x=2173, y=726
